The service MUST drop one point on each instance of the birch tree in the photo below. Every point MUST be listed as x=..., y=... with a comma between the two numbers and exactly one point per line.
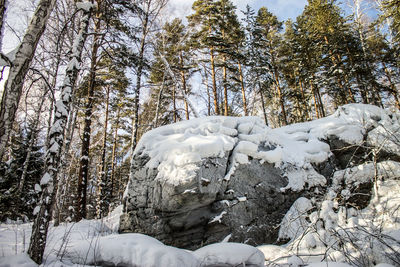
x=49, y=179
x=19, y=68
x=3, y=7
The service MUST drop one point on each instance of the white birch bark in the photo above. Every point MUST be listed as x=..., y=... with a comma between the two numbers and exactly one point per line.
x=3, y=8
x=49, y=179
x=19, y=68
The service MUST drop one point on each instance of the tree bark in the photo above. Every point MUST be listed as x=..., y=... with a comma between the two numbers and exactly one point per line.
x=3, y=8
x=18, y=70
x=135, y=121
x=225, y=81
x=49, y=179
x=278, y=88
x=114, y=153
x=159, y=98
x=184, y=86
x=262, y=103
x=65, y=173
x=280, y=97
x=306, y=110
x=214, y=81
x=102, y=174
x=208, y=91
x=243, y=89
x=81, y=212
x=174, y=103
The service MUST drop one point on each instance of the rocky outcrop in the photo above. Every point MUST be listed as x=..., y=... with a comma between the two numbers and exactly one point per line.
x=212, y=179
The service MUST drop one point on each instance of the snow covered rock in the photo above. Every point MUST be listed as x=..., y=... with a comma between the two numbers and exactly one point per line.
x=229, y=254
x=210, y=179
x=129, y=250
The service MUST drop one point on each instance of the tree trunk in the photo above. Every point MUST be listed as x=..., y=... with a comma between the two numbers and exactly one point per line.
x=278, y=88
x=280, y=97
x=3, y=7
x=65, y=170
x=49, y=179
x=159, y=99
x=316, y=102
x=176, y=82
x=243, y=89
x=102, y=175
x=393, y=90
x=135, y=121
x=208, y=91
x=184, y=86
x=262, y=103
x=336, y=59
x=13, y=86
x=304, y=98
x=225, y=81
x=174, y=103
x=321, y=105
x=114, y=153
x=84, y=161
x=214, y=81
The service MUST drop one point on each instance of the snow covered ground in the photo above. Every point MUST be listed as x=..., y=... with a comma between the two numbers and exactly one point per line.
x=96, y=243
x=326, y=234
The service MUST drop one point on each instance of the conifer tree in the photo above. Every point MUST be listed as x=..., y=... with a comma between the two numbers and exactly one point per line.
x=269, y=28
x=325, y=24
x=257, y=58
x=308, y=56
x=171, y=43
x=17, y=199
x=204, y=22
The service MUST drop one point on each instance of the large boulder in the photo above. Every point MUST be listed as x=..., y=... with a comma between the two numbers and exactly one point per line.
x=224, y=178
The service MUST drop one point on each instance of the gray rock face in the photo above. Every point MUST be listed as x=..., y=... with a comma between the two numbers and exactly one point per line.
x=226, y=197
x=249, y=206
x=176, y=215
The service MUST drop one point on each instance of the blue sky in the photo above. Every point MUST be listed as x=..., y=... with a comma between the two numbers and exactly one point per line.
x=284, y=9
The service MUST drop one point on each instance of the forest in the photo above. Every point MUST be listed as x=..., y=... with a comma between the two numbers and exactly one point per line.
x=89, y=78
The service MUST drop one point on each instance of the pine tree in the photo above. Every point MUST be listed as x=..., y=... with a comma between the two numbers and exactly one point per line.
x=258, y=59
x=112, y=79
x=292, y=72
x=308, y=55
x=323, y=21
x=391, y=10
x=171, y=44
x=204, y=23
x=17, y=200
x=269, y=28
